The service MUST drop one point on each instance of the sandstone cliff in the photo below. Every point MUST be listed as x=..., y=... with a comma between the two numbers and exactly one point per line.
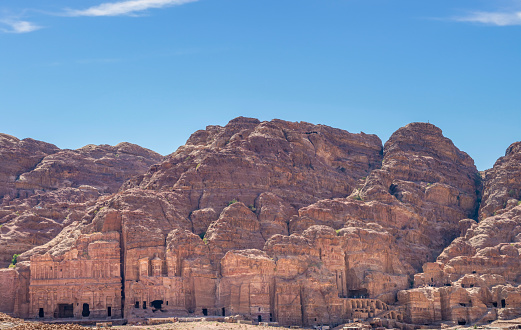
x=276, y=221
x=44, y=189
x=477, y=277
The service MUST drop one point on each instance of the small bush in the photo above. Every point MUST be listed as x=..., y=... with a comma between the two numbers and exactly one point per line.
x=14, y=260
x=518, y=202
x=252, y=208
x=197, y=167
x=233, y=201
x=511, y=193
x=205, y=241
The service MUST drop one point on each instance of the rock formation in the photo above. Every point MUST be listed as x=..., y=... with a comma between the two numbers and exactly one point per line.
x=293, y=223
x=477, y=277
x=44, y=189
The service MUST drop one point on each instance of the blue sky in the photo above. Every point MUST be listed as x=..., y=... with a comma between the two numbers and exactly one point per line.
x=152, y=72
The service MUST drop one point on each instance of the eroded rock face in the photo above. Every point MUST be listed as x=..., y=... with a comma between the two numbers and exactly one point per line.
x=477, y=277
x=295, y=223
x=412, y=205
x=46, y=189
x=18, y=157
x=502, y=183
x=299, y=162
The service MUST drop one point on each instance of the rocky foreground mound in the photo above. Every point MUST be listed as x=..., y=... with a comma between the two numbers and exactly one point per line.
x=294, y=223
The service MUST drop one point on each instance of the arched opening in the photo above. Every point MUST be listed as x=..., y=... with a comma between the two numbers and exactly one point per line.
x=40, y=312
x=259, y=318
x=205, y=311
x=224, y=311
x=157, y=304
x=86, y=310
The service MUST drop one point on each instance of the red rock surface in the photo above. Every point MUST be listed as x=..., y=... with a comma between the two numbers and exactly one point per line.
x=477, y=277
x=290, y=222
x=44, y=189
x=502, y=183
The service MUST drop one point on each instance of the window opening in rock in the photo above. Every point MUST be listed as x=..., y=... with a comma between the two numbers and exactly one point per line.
x=271, y=317
x=136, y=304
x=109, y=311
x=224, y=311
x=494, y=304
x=503, y=303
x=259, y=318
x=40, y=312
x=205, y=312
x=86, y=310
x=144, y=305
x=167, y=302
x=462, y=322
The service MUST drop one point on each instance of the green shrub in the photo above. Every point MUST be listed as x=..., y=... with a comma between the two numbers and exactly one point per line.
x=511, y=193
x=233, y=201
x=14, y=260
x=205, y=240
x=252, y=208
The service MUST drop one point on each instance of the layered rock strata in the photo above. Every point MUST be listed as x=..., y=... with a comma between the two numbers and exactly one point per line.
x=295, y=223
x=44, y=189
x=477, y=277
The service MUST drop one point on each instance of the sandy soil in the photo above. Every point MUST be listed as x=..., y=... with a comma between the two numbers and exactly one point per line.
x=196, y=325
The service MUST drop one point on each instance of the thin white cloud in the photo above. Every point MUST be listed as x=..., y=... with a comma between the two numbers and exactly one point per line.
x=493, y=18
x=125, y=7
x=18, y=26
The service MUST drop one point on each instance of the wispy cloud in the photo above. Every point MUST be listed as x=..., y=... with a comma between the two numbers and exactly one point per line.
x=130, y=7
x=493, y=18
x=17, y=26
